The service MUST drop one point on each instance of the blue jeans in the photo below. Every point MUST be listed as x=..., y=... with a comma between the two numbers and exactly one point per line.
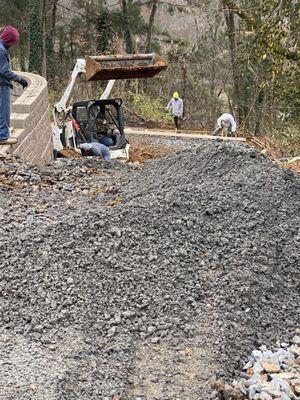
x=107, y=141
x=4, y=112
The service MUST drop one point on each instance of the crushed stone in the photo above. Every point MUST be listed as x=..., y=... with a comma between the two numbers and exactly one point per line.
x=268, y=374
x=126, y=282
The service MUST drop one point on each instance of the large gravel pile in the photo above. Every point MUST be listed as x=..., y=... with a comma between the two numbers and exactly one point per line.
x=151, y=285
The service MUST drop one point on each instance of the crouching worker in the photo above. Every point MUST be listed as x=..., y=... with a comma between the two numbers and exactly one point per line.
x=95, y=149
x=226, y=121
x=8, y=38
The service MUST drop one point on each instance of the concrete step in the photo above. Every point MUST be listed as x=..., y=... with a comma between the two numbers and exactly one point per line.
x=18, y=134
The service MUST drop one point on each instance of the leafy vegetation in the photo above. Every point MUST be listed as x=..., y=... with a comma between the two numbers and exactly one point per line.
x=150, y=109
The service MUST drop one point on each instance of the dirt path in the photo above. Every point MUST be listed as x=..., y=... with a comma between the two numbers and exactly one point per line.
x=181, y=134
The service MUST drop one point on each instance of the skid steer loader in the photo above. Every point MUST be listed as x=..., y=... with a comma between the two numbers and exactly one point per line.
x=76, y=123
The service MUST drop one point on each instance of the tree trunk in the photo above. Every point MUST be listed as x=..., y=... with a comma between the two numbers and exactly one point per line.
x=184, y=70
x=50, y=41
x=54, y=13
x=44, y=48
x=259, y=111
x=213, y=67
x=103, y=30
x=150, y=25
x=230, y=24
x=234, y=8
x=127, y=31
x=35, y=36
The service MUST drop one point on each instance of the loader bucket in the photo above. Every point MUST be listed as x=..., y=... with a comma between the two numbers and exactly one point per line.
x=123, y=66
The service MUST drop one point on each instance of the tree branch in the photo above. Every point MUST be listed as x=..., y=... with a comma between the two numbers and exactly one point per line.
x=250, y=21
x=232, y=6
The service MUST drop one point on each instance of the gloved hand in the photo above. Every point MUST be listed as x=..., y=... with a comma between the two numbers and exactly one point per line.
x=24, y=83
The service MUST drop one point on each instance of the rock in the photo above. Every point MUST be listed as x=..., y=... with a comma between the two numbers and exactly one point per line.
x=270, y=367
x=285, y=375
x=284, y=345
x=284, y=396
x=155, y=340
x=233, y=393
x=256, y=354
x=263, y=348
x=297, y=361
x=264, y=396
x=112, y=331
x=272, y=391
x=252, y=391
x=253, y=380
x=248, y=365
x=258, y=368
x=295, y=349
x=53, y=304
x=128, y=314
x=281, y=383
x=151, y=329
x=268, y=354
x=296, y=340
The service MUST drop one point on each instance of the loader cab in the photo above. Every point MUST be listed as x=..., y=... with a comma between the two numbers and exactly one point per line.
x=100, y=121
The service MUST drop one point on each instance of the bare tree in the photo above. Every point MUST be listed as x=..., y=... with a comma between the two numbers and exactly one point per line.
x=150, y=25
x=44, y=39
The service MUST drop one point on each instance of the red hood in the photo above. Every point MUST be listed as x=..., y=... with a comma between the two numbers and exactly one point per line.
x=9, y=36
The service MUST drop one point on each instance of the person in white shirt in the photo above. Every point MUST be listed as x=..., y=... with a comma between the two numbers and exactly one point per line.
x=176, y=107
x=225, y=121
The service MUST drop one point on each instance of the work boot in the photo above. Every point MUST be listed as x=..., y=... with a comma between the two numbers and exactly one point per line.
x=8, y=141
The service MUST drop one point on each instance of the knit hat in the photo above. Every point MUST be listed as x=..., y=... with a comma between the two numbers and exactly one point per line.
x=9, y=36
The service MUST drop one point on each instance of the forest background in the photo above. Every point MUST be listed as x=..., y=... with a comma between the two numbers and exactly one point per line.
x=238, y=56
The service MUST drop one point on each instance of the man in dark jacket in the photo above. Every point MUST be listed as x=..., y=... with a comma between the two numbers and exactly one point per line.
x=8, y=38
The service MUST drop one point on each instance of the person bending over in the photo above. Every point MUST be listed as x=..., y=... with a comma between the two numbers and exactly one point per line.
x=225, y=121
x=95, y=149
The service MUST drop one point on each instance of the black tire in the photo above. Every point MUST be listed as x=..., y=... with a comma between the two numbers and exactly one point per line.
x=63, y=136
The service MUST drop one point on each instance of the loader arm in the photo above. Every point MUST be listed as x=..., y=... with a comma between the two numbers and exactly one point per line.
x=62, y=104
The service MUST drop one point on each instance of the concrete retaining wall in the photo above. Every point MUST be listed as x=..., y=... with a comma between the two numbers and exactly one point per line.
x=30, y=120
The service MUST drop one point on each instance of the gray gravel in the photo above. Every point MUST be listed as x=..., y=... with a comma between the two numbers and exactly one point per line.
x=128, y=282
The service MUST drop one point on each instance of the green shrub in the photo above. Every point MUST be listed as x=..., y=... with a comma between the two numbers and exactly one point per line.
x=149, y=108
